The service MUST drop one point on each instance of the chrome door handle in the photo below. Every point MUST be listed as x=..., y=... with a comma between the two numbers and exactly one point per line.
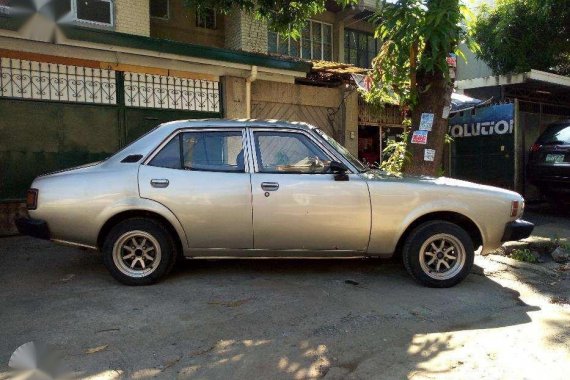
x=160, y=183
x=270, y=186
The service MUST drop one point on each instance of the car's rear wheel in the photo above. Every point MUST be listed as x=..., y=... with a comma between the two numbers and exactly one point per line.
x=139, y=251
x=438, y=254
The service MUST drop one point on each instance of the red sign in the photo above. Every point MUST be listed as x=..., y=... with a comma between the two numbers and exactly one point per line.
x=420, y=137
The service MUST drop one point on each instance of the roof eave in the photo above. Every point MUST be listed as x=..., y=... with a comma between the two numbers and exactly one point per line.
x=513, y=79
x=73, y=32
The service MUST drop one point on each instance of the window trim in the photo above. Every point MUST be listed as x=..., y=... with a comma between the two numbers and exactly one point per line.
x=310, y=24
x=178, y=132
x=254, y=152
x=74, y=11
x=167, y=13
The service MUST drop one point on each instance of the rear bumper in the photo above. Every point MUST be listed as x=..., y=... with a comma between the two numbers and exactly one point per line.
x=33, y=227
x=517, y=230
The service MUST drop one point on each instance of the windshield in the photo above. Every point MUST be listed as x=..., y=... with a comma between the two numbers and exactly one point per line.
x=343, y=151
x=555, y=134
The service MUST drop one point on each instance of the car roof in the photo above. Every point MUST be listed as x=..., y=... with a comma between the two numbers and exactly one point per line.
x=235, y=123
x=148, y=142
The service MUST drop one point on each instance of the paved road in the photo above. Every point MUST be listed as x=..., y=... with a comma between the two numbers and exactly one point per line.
x=274, y=319
x=549, y=223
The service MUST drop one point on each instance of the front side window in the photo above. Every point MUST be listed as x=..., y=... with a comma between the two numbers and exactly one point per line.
x=203, y=151
x=289, y=152
x=315, y=42
x=96, y=11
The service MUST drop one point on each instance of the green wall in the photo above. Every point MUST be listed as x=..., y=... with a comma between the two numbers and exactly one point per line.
x=38, y=137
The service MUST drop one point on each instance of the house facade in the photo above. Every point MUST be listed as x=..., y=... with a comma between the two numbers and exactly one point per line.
x=81, y=79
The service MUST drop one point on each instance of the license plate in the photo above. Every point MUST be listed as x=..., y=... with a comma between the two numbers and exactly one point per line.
x=554, y=158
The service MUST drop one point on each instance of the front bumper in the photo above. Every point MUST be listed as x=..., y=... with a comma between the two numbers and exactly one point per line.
x=517, y=230
x=33, y=227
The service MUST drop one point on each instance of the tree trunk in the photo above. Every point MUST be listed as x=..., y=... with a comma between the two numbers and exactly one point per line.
x=436, y=95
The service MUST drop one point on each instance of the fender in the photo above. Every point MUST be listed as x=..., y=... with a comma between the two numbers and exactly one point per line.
x=140, y=204
x=384, y=238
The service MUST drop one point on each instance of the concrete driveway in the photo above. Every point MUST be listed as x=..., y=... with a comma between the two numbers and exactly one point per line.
x=274, y=320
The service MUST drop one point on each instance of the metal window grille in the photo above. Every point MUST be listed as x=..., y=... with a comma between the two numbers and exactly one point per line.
x=167, y=92
x=55, y=82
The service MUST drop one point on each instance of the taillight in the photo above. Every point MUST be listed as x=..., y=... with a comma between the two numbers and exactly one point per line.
x=32, y=199
x=515, y=207
x=535, y=148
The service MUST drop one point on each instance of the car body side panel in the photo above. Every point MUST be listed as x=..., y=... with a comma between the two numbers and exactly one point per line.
x=77, y=203
x=213, y=207
x=398, y=202
x=311, y=212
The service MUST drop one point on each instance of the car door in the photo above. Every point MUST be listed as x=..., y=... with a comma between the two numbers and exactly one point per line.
x=202, y=177
x=297, y=203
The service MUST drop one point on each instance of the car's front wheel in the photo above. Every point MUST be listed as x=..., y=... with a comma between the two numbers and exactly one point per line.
x=139, y=251
x=438, y=254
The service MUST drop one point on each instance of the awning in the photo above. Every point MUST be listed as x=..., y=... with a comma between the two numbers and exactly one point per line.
x=534, y=85
x=461, y=102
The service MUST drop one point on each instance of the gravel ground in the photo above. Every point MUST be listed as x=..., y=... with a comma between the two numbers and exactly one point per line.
x=273, y=319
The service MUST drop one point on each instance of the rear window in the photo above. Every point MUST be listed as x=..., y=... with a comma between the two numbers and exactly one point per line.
x=555, y=134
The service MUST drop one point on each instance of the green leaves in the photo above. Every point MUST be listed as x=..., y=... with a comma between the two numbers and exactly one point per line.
x=418, y=36
x=517, y=36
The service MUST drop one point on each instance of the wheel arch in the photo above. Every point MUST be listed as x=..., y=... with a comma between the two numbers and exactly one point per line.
x=447, y=216
x=128, y=214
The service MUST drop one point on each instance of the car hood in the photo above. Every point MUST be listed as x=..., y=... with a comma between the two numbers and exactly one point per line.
x=449, y=184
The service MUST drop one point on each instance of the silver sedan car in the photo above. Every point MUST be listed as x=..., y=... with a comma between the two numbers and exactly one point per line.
x=264, y=189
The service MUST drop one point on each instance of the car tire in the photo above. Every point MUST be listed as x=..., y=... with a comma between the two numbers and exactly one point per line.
x=438, y=254
x=139, y=251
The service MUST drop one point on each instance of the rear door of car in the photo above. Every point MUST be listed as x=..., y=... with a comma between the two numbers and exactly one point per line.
x=298, y=206
x=202, y=176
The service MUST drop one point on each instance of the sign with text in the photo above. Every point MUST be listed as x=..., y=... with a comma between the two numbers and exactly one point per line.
x=419, y=137
x=429, y=155
x=486, y=121
x=426, y=122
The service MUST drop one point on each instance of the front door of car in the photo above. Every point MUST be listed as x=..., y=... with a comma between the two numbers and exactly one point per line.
x=201, y=176
x=297, y=203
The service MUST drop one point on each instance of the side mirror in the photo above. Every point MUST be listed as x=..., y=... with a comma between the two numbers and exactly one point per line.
x=339, y=170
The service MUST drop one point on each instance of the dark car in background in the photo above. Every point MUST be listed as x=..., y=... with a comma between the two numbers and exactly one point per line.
x=548, y=166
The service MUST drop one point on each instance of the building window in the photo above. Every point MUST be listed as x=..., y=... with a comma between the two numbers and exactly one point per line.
x=5, y=6
x=315, y=42
x=93, y=11
x=159, y=9
x=206, y=18
x=360, y=48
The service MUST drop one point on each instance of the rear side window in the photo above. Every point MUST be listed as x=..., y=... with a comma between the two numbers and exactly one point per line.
x=169, y=156
x=203, y=151
x=555, y=134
